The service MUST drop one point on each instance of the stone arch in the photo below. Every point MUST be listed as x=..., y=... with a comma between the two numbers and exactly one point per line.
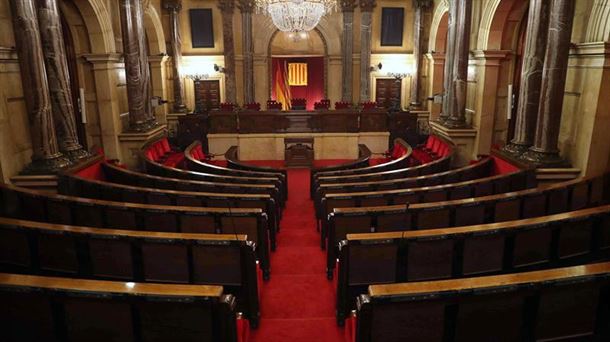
x=500, y=24
x=154, y=31
x=438, y=28
x=97, y=20
x=598, y=28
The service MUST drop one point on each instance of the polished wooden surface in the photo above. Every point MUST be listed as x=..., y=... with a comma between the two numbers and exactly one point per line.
x=468, y=284
x=489, y=227
x=96, y=286
x=121, y=232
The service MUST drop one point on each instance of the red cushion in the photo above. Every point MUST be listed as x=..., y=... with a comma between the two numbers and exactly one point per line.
x=93, y=171
x=501, y=166
x=243, y=330
x=174, y=159
x=165, y=145
x=350, y=329
x=430, y=141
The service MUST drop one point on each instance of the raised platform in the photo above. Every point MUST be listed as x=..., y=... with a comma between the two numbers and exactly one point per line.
x=270, y=146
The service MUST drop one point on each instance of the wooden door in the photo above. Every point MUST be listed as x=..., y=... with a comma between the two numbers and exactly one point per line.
x=387, y=91
x=207, y=95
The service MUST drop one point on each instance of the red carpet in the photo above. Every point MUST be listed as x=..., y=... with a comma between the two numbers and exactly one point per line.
x=298, y=303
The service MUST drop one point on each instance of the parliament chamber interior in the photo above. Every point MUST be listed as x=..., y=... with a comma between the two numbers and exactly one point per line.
x=304, y=170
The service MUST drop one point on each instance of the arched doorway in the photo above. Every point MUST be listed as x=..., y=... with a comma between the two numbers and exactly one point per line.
x=301, y=60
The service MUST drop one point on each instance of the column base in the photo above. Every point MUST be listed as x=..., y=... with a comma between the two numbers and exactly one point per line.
x=453, y=123
x=180, y=109
x=544, y=159
x=141, y=127
x=463, y=138
x=515, y=149
x=76, y=154
x=132, y=142
x=46, y=166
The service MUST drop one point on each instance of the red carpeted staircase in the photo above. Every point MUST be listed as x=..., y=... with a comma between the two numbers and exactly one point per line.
x=298, y=303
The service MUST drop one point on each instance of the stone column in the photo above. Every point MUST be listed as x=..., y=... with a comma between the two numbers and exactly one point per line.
x=448, y=72
x=173, y=7
x=419, y=6
x=226, y=9
x=366, y=10
x=347, y=50
x=59, y=80
x=137, y=73
x=246, y=7
x=545, y=152
x=457, y=109
x=46, y=157
x=531, y=77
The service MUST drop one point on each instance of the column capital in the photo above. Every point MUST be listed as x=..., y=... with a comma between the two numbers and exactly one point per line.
x=172, y=5
x=491, y=57
x=347, y=5
x=245, y=6
x=423, y=4
x=367, y=5
x=159, y=59
x=226, y=6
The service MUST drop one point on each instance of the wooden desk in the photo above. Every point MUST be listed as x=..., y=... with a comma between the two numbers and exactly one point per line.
x=298, y=151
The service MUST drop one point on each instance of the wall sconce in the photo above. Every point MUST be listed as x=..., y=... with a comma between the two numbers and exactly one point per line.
x=376, y=67
x=399, y=75
x=219, y=68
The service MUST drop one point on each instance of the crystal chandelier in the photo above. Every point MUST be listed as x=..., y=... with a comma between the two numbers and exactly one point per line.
x=296, y=15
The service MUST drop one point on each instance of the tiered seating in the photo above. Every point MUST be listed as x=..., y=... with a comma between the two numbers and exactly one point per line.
x=43, y=207
x=434, y=148
x=560, y=304
x=196, y=160
x=400, y=152
x=561, y=197
x=72, y=184
x=38, y=308
x=160, y=152
x=107, y=254
x=413, y=191
x=159, y=169
x=538, y=243
x=233, y=162
x=364, y=156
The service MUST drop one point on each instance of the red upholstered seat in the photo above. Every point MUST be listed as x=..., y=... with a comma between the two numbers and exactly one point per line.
x=501, y=166
x=174, y=159
x=342, y=105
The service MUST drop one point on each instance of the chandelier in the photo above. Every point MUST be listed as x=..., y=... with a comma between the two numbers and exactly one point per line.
x=296, y=15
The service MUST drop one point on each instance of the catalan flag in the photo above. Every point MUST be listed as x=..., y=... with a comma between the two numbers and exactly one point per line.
x=282, y=89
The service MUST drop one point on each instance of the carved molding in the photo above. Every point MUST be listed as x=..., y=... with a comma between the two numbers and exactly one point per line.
x=367, y=5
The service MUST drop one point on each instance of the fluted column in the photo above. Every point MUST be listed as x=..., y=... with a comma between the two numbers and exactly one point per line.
x=141, y=117
x=448, y=72
x=366, y=11
x=457, y=109
x=226, y=9
x=246, y=7
x=545, y=151
x=347, y=50
x=46, y=156
x=531, y=77
x=56, y=64
x=419, y=6
x=173, y=7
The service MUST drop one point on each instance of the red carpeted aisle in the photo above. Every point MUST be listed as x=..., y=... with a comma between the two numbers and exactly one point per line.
x=298, y=303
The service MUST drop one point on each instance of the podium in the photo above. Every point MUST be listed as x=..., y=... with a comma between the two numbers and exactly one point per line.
x=298, y=152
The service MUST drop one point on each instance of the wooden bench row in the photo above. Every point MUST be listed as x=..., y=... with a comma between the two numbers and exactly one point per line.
x=44, y=207
x=233, y=162
x=36, y=308
x=73, y=185
x=158, y=169
x=193, y=164
x=561, y=197
x=570, y=303
x=537, y=243
x=105, y=254
x=401, y=161
x=116, y=174
x=504, y=183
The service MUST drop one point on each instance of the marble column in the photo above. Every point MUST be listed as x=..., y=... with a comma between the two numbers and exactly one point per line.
x=246, y=7
x=46, y=157
x=366, y=11
x=347, y=50
x=448, y=72
x=419, y=6
x=56, y=64
x=141, y=117
x=531, y=77
x=226, y=9
x=459, y=84
x=545, y=151
x=173, y=7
